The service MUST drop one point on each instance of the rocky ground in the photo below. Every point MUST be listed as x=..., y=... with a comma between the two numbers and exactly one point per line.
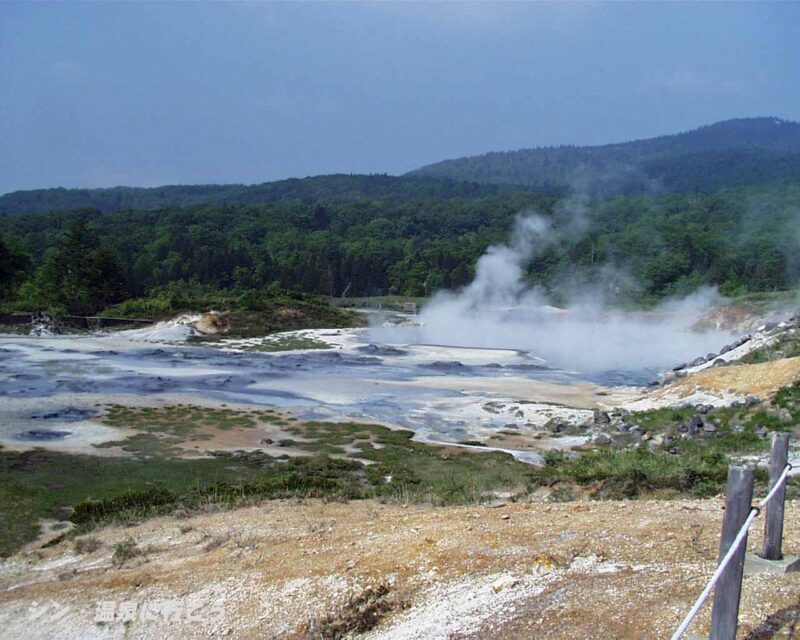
x=315, y=570
x=537, y=568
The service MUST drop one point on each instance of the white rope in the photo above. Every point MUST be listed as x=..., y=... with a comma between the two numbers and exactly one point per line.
x=775, y=488
x=740, y=536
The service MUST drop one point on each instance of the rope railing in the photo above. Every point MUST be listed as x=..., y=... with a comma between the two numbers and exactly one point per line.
x=741, y=535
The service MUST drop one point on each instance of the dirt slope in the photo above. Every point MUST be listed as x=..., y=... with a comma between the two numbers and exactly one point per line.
x=287, y=570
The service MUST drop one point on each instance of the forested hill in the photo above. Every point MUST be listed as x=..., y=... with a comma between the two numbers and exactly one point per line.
x=329, y=189
x=732, y=153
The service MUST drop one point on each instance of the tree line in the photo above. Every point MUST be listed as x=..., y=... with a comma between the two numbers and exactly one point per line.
x=642, y=247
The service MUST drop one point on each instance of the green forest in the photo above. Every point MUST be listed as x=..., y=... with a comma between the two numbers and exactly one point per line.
x=739, y=152
x=642, y=220
x=403, y=240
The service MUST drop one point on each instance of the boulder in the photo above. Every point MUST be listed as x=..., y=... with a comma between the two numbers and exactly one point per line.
x=601, y=417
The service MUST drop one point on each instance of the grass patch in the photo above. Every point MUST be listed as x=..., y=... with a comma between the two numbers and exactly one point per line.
x=123, y=551
x=161, y=429
x=632, y=473
x=38, y=485
x=786, y=347
x=91, y=491
x=281, y=343
x=408, y=470
x=252, y=313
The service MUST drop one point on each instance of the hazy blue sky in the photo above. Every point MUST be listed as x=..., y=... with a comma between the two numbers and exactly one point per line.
x=101, y=94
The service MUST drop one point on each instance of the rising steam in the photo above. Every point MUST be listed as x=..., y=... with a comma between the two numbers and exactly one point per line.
x=498, y=310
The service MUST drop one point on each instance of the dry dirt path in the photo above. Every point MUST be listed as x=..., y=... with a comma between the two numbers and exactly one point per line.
x=293, y=570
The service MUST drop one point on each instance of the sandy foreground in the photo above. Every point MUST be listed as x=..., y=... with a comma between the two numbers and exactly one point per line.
x=284, y=569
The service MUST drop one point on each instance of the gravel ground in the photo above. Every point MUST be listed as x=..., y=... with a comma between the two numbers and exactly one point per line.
x=286, y=569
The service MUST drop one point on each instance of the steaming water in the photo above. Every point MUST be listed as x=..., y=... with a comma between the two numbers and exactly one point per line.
x=59, y=379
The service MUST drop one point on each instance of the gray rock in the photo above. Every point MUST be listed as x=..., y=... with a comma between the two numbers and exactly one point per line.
x=601, y=417
x=559, y=427
x=745, y=338
x=602, y=439
x=761, y=432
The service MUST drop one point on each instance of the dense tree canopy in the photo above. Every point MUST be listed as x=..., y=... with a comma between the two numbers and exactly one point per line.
x=643, y=247
x=80, y=274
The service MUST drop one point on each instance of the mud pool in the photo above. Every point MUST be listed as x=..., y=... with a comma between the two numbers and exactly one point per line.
x=51, y=384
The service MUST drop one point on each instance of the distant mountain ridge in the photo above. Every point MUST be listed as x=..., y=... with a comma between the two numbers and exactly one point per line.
x=335, y=188
x=741, y=152
x=729, y=153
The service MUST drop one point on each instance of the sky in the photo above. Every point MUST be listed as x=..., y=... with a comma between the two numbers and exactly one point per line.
x=144, y=94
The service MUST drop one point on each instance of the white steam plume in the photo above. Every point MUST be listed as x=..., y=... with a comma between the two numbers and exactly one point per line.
x=497, y=310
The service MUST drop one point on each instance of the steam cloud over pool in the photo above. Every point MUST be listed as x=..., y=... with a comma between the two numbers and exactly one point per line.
x=498, y=310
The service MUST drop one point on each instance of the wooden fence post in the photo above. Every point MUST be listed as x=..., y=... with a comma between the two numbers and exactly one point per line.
x=738, y=499
x=773, y=529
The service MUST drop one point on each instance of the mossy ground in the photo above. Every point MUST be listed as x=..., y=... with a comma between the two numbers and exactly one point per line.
x=152, y=478
x=352, y=461
x=161, y=429
x=285, y=343
x=695, y=466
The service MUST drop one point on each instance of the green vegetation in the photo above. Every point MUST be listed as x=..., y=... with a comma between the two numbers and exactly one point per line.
x=161, y=430
x=695, y=466
x=93, y=490
x=335, y=188
x=240, y=258
x=635, y=472
x=713, y=206
x=788, y=346
x=78, y=274
x=354, y=461
x=731, y=153
x=271, y=343
x=124, y=551
x=38, y=485
x=247, y=313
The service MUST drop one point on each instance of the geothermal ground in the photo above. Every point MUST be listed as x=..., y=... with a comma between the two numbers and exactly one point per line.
x=308, y=569
x=58, y=384
x=510, y=564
